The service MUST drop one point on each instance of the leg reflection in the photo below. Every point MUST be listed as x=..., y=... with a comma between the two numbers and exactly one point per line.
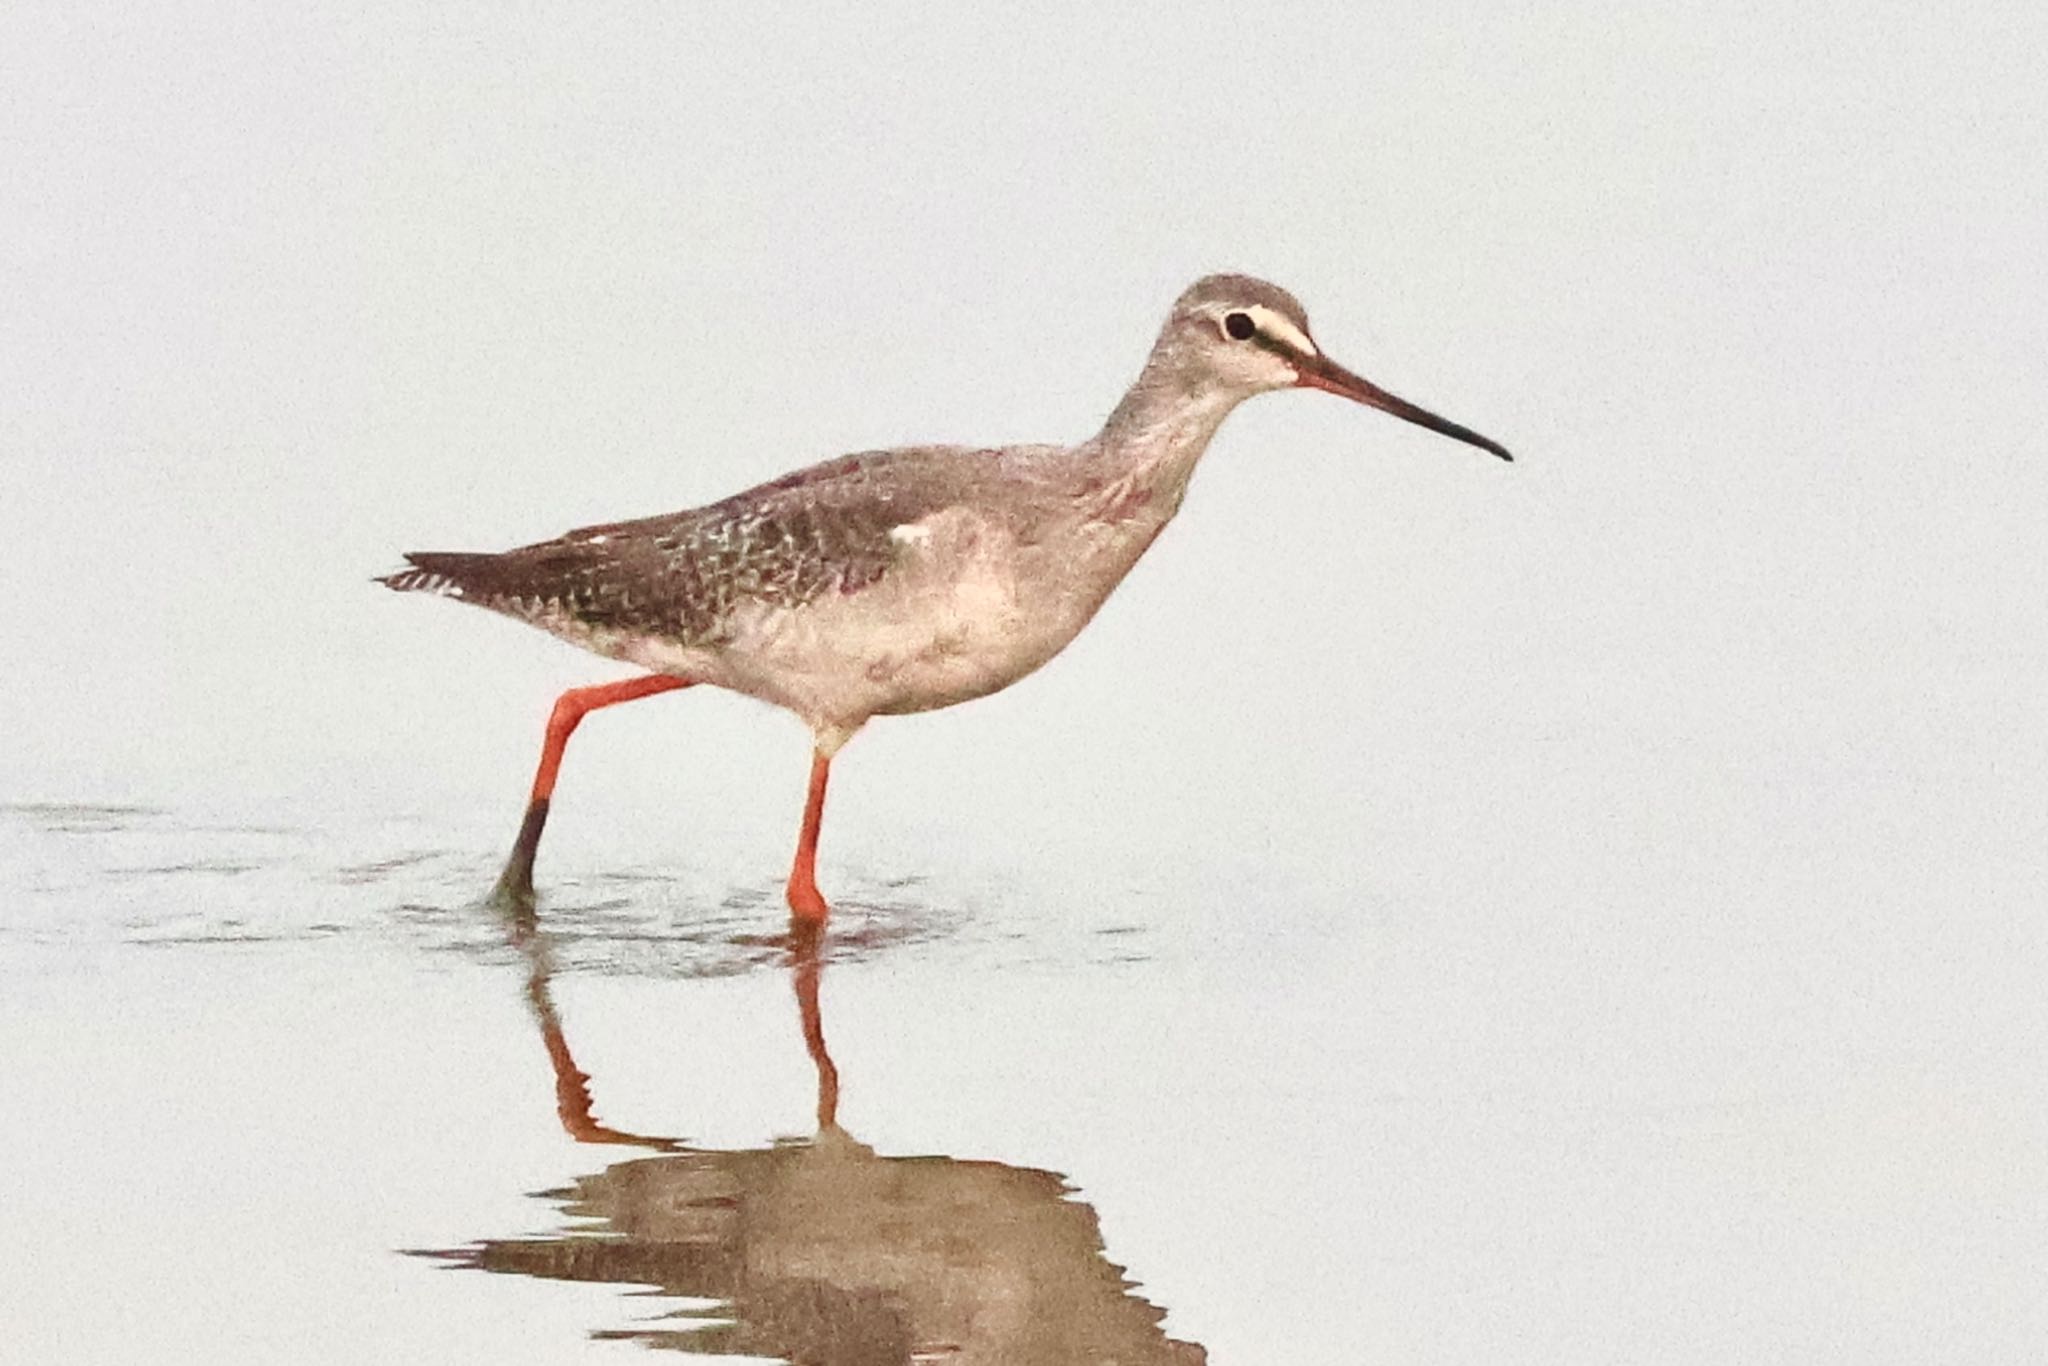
x=805, y=953
x=572, y=1083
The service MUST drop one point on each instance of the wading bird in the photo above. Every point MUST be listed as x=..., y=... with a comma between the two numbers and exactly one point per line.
x=901, y=580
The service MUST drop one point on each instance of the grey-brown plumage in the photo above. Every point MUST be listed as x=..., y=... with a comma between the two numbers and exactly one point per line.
x=904, y=580
x=683, y=575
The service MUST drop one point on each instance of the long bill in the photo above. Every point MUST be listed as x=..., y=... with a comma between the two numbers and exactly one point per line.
x=1319, y=372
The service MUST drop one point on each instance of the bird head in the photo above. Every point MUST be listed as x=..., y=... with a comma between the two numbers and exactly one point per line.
x=1249, y=337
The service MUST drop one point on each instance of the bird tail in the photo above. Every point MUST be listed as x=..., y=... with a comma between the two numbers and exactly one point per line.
x=446, y=573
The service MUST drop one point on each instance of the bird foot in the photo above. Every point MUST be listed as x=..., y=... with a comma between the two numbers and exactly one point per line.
x=807, y=908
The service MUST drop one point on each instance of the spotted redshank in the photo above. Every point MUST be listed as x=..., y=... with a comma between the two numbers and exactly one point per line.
x=901, y=580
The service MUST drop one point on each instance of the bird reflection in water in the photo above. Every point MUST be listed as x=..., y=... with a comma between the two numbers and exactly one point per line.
x=822, y=1252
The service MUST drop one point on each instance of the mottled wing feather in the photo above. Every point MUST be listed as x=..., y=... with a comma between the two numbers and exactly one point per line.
x=684, y=576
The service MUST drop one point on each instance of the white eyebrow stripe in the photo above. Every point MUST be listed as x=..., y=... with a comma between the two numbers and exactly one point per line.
x=1276, y=326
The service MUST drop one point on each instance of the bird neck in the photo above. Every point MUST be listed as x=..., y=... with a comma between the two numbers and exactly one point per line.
x=1151, y=443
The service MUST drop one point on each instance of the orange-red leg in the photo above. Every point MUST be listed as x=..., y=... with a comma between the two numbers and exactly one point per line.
x=805, y=905
x=570, y=709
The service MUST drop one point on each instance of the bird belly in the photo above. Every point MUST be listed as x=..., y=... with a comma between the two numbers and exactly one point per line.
x=928, y=635
x=967, y=610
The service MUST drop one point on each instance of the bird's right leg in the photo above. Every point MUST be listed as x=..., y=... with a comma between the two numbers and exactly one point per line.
x=807, y=909
x=516, y=882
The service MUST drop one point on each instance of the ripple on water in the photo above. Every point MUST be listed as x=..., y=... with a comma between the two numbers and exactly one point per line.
x=149, y=875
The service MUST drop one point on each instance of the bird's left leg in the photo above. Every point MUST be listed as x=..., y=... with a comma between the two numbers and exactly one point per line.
x=515, y=884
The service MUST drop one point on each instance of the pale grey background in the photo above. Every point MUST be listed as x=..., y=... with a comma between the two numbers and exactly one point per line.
x=1692, y=766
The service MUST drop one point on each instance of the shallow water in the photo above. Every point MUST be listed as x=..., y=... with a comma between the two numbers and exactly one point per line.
x=1696, y=1080
x=269, y=1071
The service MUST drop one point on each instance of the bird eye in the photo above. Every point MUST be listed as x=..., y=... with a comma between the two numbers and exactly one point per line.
x=1239, y=325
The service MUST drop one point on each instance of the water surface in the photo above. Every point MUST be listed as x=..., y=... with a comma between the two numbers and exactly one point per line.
x=1686, y=1080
